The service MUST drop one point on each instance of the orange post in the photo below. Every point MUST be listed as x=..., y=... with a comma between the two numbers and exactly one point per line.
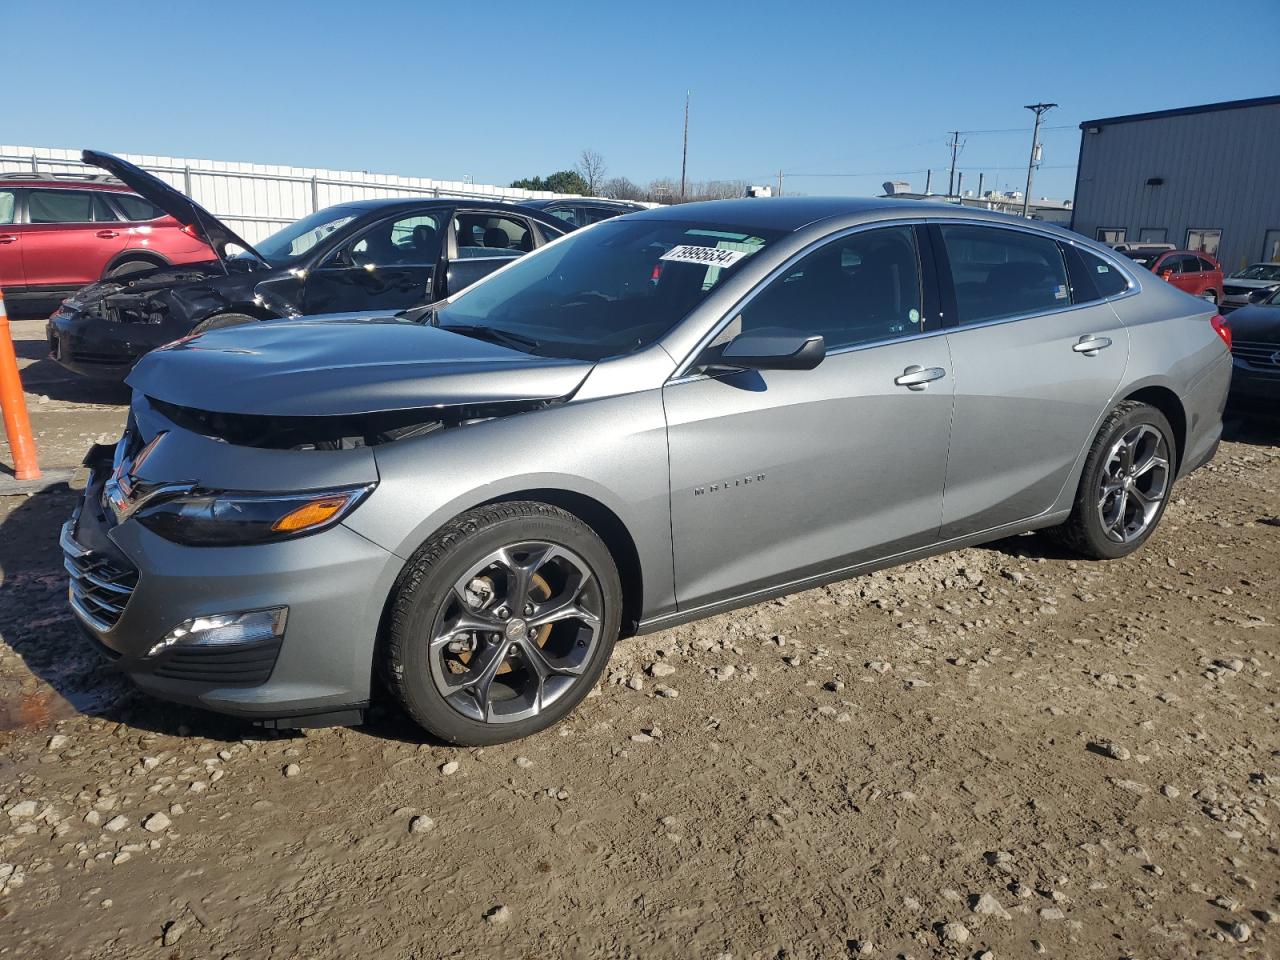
x=17, y=425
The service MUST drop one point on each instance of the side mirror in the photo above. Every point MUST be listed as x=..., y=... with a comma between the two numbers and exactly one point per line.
x=767, y=350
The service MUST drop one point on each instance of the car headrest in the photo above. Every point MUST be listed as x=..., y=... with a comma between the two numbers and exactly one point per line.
x=496, y=237
x=424, y=237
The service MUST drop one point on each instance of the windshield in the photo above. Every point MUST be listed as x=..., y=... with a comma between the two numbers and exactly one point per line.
x=1259, y=271
x=605, y=291
x=300, y=236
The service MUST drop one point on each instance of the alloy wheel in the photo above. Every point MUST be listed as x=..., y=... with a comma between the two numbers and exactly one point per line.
x=1135, y=479
x=516, y=632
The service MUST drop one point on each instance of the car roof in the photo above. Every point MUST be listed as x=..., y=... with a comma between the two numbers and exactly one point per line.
x=544, y=202
x=62, y=183
x=792, y=213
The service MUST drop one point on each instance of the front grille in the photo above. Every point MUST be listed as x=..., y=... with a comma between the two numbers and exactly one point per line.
x=102, y=359
x=100, y=587
x=1233, y=291
x=1257, y=353
x=245, y=666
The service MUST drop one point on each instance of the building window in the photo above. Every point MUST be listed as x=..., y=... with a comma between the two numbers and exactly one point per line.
x=1204, y=240
x=1153, y=235
x=1271, y=247
x=1111, y=234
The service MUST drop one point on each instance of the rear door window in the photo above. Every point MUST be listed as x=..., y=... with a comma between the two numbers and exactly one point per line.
x=8, y=204
x=1000, y=273
x=567, y=214
x=66, y=206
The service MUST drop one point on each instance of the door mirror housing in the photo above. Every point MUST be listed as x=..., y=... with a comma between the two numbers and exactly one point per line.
x=767, y=350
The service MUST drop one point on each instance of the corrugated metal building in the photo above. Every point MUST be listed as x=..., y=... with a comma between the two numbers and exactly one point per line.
x=1202, y=178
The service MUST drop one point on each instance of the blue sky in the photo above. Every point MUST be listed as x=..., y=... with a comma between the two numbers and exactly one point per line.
x=500, y=90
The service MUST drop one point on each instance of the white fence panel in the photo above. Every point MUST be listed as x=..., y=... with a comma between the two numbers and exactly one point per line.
x=255, y=199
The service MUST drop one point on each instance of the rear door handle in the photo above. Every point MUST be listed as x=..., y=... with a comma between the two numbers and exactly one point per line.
x=916, y=377
x=107, y=234
x=1089, y=345
x=8, y=238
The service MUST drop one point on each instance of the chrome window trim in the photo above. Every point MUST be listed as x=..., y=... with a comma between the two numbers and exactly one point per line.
x=682, y=374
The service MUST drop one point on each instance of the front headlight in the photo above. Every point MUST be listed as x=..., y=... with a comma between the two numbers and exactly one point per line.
x=213, y=519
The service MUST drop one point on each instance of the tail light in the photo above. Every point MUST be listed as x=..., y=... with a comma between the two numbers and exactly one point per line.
x=1221, y=329
x=191, y=230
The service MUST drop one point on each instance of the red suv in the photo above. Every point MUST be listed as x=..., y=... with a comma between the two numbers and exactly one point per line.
x=60, y=232
x=1197, y=273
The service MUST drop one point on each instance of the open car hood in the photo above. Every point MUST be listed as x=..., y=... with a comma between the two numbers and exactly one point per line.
x=172, y=201
x=344, y=365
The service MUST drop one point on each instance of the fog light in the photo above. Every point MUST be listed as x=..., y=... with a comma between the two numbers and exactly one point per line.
x=221, y=629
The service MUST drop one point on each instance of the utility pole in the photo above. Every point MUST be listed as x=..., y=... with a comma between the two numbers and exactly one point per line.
x=684, y=156
x=779, y=183
x=980, y=177
x=955, y=146
x=928, y=181
x=960, y=185
x=1039, y=109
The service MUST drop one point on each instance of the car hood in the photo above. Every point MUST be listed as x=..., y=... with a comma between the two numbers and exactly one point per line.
x=1251, y=284
x=343, y=365
x=1259, y=323
x=172, y=201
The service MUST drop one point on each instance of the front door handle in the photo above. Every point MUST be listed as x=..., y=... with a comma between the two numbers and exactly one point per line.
x=8, y=238
x=916, y=377
x=1089, y=345
x=107, y=234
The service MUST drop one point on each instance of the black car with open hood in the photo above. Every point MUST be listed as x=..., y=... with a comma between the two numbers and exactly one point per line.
x=374, y=255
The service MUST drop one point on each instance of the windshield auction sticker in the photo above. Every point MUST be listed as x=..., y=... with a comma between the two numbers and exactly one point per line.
x=707, y=256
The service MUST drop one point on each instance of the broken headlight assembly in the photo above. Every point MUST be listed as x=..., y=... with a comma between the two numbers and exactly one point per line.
x=214, y=519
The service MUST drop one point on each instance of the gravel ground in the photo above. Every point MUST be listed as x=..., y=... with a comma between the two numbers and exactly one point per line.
x=1000, y=752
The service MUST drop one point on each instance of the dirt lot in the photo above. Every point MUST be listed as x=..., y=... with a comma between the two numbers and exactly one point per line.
x=996, y=753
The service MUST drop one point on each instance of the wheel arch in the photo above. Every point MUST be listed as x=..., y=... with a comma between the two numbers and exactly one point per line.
x=1169, y=404
x=610, y=528
x=124, y=256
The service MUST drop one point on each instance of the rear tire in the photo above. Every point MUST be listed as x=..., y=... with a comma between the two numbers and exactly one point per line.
x=222, y=320
x=128, y=267
x=1125, y=485
x=504, y=566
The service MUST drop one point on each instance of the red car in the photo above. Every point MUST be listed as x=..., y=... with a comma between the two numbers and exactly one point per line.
x=1197, y=273
x=59, y=233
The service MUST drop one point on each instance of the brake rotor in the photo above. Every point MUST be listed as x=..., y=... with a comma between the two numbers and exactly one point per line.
x=539, y=592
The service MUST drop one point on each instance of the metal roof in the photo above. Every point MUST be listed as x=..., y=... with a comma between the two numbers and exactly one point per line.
x=1184, y=111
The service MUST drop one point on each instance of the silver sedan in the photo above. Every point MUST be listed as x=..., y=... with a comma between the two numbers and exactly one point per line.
x=654, y=419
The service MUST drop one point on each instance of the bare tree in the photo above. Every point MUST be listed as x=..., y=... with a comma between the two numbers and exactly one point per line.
x=591, y=167
x=621, y=188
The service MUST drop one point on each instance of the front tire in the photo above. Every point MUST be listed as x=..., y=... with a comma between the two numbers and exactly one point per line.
x=502, y=623
x=1125, y=485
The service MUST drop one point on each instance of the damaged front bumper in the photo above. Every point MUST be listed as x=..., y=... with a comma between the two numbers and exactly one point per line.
x=132, y=591
x=94, y=346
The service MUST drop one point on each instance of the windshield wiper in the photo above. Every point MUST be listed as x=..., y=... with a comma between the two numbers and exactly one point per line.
x=494, y=335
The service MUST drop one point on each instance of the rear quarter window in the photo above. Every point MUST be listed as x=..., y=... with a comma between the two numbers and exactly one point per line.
x=135, y=208
x=1106, y=279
